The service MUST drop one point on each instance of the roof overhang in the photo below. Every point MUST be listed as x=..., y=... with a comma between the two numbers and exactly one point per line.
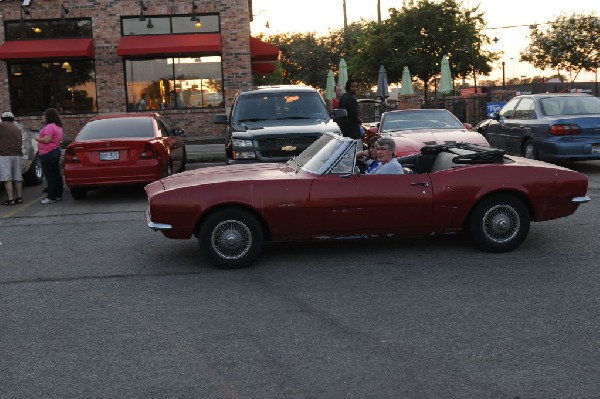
x=50, y=48
x=263, y=56
x=169, y=44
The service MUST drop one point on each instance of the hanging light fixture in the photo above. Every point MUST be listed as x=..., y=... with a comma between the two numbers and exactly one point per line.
x=23, y=11
x=64, y=11
x=67, y=67
x=194, y=8
x=142, y=9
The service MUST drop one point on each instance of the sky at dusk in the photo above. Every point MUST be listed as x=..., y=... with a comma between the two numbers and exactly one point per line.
x=513, y=17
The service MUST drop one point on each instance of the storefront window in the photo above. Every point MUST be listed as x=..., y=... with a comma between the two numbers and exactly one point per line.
x=174, y=83
x=48, y=29
x=42, y=80
x=149, y=25
x=67, y=85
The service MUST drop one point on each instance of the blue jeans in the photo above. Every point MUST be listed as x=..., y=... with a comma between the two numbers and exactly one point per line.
x=51, y=169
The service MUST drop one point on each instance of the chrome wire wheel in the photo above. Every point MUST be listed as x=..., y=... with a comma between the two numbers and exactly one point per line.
x=231, y=239
x=501, y=224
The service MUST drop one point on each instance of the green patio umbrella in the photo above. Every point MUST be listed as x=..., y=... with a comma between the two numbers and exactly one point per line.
x=330, y=87
x=446, y=86
x=407, y=87
x=343, y=75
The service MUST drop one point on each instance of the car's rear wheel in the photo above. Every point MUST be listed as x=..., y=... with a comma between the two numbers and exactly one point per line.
x=499, y=223
x=231, y=238
x=529, y=151
x=78, y=193
x=34, y=176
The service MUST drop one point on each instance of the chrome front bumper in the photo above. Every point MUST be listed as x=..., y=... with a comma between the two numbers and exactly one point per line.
x=156, y=226
x=580, y=200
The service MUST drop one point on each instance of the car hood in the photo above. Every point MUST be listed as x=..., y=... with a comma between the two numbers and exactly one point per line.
x=287, y=127
x=411, y=141
x=228, y=173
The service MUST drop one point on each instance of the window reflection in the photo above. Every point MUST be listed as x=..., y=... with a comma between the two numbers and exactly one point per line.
x=174, y=83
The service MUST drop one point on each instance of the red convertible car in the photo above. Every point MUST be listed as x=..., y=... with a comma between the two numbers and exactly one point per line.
x=414, y=128
x=231, y=210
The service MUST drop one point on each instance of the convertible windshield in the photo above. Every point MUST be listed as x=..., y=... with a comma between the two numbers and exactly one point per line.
x=322, y=152
x=278, y=106
x=395, y=121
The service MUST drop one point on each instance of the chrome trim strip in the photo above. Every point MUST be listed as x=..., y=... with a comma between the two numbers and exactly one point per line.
x=156, y=226
x=580, y=200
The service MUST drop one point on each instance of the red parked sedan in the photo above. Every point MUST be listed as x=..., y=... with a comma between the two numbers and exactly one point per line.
x=122, y=149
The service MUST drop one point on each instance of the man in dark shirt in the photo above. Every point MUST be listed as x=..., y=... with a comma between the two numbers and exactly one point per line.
x=11, y=152
x=350, y=125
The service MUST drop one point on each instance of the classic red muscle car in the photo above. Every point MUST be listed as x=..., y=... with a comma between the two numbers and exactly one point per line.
x=232, y=209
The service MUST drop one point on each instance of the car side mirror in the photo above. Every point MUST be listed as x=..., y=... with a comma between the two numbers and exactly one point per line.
x=495, y=116
x=221, y=119
x=339, y=113
x=178, y=132
x=468, y=126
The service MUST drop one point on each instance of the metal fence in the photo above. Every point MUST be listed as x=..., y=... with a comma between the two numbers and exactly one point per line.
x=468, y=109
x=370, y=110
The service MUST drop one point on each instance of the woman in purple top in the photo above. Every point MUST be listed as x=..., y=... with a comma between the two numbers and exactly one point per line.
x=49, y=150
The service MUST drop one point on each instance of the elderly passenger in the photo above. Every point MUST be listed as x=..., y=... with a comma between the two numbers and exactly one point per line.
x=386, y=154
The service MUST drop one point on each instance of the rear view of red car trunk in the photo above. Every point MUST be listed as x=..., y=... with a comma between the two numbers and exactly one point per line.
x=122, y=149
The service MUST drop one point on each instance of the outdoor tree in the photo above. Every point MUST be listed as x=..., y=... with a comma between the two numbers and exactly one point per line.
x=570, y=44
x=418, y=36
x=305, y=58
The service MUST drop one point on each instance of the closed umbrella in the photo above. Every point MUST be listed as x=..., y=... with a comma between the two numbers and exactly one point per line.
x=330, y=87
x=382, y=84
x=446, y=85
x=343, y=74
x=407, y=87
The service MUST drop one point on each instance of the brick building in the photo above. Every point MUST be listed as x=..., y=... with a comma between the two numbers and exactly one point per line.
x=184, y=59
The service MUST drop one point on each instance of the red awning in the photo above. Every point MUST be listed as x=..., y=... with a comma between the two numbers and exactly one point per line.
x=169, y=44
x=261, y=68
x=51, y=48
x=262, y=51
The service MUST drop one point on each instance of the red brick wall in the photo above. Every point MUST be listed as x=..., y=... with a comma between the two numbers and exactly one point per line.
x=110, y=80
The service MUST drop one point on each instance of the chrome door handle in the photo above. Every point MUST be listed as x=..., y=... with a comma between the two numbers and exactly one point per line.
x=423, y=183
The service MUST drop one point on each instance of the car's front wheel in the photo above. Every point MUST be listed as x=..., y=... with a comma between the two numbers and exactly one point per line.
x=499, y=223
x=231, y=238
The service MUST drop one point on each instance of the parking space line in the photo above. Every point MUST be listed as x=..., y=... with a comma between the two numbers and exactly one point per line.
x=21, y=207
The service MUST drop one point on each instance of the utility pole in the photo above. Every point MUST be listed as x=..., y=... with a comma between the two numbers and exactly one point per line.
x=345, y=17
x=379, y=11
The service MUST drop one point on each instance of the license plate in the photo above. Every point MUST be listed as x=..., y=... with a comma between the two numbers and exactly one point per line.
x=109, y=155
x=595, y=148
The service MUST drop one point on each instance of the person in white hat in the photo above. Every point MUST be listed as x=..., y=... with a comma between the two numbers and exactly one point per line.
x=11, y=152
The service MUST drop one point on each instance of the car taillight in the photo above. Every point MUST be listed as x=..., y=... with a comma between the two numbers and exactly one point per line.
x=149, y=152
x=562, y=130
x=70, y=155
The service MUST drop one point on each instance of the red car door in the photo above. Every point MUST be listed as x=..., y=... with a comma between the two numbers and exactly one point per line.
x=371, y=204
